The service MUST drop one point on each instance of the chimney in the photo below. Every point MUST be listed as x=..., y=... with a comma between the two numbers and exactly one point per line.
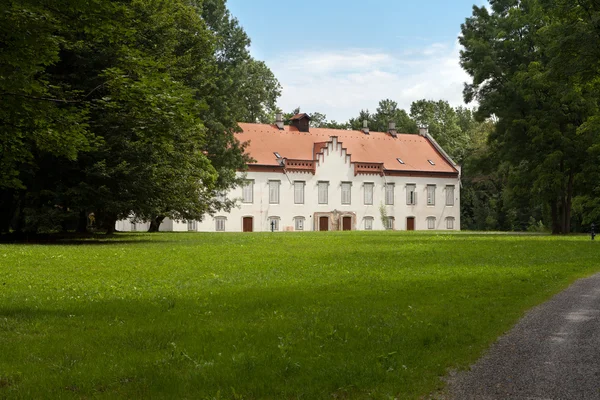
x=365, y=128
x=392, y=128
x=279, y=120
x=423, y=130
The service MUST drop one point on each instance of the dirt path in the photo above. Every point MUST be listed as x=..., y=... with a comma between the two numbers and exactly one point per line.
x=552, y=353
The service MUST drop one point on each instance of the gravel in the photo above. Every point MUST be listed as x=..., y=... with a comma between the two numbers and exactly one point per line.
x=552, y=353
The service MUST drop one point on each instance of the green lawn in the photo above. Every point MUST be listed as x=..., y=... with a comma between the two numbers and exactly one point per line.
x=253, y=316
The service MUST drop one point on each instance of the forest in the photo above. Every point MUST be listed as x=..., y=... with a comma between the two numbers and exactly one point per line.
x=115, y=108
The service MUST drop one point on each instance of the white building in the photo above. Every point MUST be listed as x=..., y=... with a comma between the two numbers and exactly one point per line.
x=310, y=179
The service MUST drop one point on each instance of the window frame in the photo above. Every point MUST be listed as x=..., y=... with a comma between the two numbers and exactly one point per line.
x=390, y=187
x=274, y=188
x=450, y=195
x=301, y=185
x=369, y=188
x=248, y=183
x=450, y=222
x=297, y=220
x=218, y=221
x=346, y=188
x=389, y=223
x=370, y=226
x=411, y=194
x=431, y=222
x=431, y=195
x=277, y=223
x=325, y=186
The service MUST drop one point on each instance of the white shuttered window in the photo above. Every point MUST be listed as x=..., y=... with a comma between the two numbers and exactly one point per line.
x=450, y=223
x=450, y=195
x=411, y=195
x=299, y=222
x=248, y=192
x=389, y=193
x=299, y=192
x=430, y=222
x=431, y=195
x=346, y=193
x=369, y=193
x=368, y=223
x=220, y=224
x=274, y=192
x=323, y=192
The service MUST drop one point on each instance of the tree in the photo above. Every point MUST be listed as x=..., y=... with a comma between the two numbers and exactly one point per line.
x=539, y=115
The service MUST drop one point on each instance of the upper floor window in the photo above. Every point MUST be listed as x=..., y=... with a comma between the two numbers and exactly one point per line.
x=430, y=222
x=346, y=192
x=274, y=192
x=369, y=193
x=298, y=192
x=450, y=223
x=220, y=224
x=450, y=195
x=411, y=195
x=248, y=192
x=323, y=192
x=389, y=193
x=368, y=223
x=431, y=195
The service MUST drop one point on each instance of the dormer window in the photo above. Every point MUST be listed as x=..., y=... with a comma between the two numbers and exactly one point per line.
x=400, y=160
x=431, y=162
x=277, y=154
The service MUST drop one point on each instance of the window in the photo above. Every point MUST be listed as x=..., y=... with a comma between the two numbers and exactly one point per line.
x=450, y=195
x=431, y=162
x=400, y=160
x=450, y=223
x=299, y=223
x=277, y=154
x=368, y=223
x=369, y=193
x=389, y=193
x=133, y=227
x=389, y=223
x=430, y=222
x=299, y=192
x=323, y=192
x=411, y=195
x=248, y=192
x=220, y=224
x=346, y=192
x=431, y=195
x=274, y=224
x=191, y=225
x=274, y=192
x=221, y=197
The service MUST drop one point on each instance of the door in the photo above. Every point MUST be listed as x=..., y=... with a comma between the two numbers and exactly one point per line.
x=248, y=223
x=323, y=223
x=347, y=223
x=410, y=223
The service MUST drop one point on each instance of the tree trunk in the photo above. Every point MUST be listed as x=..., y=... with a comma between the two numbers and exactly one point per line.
x=109, y=223
x=556, y=226
x=155, y=223
x=568, y=205
x=82, y=224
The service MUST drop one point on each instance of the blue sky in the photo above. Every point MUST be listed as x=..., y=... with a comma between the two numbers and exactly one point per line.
x=338, y=57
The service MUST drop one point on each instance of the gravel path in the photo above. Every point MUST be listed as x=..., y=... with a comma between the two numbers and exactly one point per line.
x=552, y=353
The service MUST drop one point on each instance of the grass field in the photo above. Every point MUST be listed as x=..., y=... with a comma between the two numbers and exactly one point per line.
x=232, y=316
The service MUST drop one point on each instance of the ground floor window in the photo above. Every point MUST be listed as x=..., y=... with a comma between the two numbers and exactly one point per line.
x=192, y=226
x=450, y=223
x=274, y=223
x=368, y=223
x=220, y=224
x=430, y=222
x=390, y=223
x=299, y=223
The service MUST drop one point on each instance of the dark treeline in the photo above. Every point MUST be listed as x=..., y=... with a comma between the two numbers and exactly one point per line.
x=109, y=108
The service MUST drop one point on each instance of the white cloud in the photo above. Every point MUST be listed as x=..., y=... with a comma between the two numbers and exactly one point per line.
x=341, y=83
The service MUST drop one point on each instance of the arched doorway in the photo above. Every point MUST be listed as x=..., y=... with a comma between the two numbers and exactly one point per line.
x=248, y=224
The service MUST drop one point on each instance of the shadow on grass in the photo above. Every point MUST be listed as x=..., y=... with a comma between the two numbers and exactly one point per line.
x=75, y=239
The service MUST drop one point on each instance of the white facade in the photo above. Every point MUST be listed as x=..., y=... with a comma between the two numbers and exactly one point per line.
x=278, y=196
x=333, y=198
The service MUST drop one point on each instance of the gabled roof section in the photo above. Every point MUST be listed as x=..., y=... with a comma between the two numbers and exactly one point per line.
x=378, y=147
x=300, y=116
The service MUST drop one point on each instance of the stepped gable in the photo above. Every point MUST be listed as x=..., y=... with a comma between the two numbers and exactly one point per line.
x=376, y=147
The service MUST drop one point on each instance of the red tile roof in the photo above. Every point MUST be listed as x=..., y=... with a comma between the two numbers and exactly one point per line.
x=377, y=147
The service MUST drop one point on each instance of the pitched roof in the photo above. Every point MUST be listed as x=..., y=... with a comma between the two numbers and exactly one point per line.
x=377, y=147
x=300, y=116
